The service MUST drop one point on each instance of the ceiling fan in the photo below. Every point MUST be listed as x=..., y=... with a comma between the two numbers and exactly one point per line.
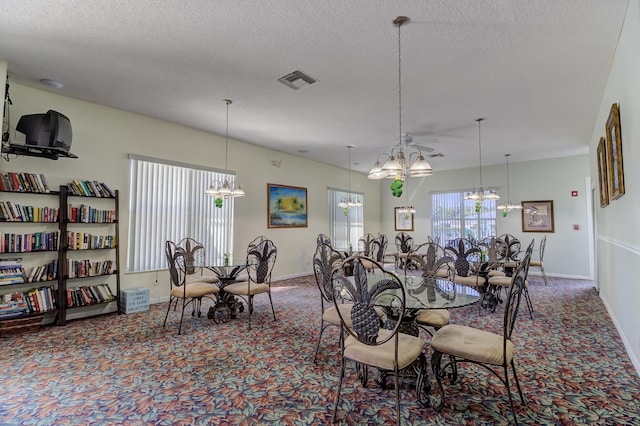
x=407, y=141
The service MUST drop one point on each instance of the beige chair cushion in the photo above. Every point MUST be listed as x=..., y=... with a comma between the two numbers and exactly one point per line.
x=246, y=289
x=330, y=315
x=402, y=255
x=196, y=278
x=510, y=264
x=473, y=280
x=433, y=317
x=535, y=263
x=442, y=273
x=496, y=273
x=503, y=281
x=382, y=356
x=472, y=344
x=196, y=289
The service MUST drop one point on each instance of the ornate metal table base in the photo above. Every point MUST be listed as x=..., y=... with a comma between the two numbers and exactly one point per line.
x=227, y=306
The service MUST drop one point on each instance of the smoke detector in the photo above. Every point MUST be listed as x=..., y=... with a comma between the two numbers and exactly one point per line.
x=297, y=80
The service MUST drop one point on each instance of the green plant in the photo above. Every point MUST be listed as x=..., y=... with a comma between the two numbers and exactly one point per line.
x=218, y=202
x=396, y=187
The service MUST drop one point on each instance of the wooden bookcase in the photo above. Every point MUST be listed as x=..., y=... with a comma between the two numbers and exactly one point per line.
x=100, y=253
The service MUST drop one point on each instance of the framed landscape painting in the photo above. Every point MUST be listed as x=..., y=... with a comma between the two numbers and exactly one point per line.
x=286, y=206
x=603, y=179
x=537, y=216
x=614, y=154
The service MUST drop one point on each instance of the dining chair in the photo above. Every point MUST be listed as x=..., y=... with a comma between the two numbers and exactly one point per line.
x=464, y=344
x=364, y=244
x=378, y=251
x=496, y=252
x=195, y=258
x=433, y=263
x=367, y=343
x=539, y=263
x=404, y=247
x=261, y=257
x=179, y=263
x=505, y=282
x=325, y=259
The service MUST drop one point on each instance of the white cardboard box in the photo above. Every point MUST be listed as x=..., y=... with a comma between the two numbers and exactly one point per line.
x=134, y=300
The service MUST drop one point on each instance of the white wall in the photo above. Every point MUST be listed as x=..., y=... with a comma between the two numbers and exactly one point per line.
x=103, y=137
x=567, y=251
x=618, y=236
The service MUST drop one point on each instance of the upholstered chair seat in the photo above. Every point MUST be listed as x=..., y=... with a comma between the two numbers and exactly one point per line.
x=382, y=356
x=435, y=318
x=472, y=344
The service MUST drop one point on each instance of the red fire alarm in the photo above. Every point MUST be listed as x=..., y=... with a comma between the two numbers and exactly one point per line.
x=574, y=193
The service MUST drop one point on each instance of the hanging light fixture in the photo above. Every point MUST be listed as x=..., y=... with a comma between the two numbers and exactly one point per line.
x=224, y=189
x=348, y=203
x=509, y=205
x=480, y=194
x=398, y=165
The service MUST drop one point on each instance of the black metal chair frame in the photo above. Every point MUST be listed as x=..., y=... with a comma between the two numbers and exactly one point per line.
x=367, y=324
x=510, y=315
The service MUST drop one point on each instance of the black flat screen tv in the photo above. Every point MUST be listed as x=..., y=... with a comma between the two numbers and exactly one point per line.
x=51, y=130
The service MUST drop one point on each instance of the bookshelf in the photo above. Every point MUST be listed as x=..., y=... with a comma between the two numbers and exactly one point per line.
x=59, y=250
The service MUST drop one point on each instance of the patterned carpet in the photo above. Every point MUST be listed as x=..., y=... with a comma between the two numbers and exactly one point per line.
x=129, y=370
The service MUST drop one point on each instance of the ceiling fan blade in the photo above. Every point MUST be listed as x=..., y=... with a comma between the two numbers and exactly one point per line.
x=423, y=147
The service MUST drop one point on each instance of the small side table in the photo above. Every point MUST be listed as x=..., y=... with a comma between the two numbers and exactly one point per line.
x=227, y=305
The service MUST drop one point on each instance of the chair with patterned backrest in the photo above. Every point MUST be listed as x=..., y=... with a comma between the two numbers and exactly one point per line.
x=434, y=264
x=195, y=256
x=367, y=343
x=364, y=244
x=404, y=247
x=496, y=251
x=506, y=281
x=539, y=262
x=261, y=257
x=466, y=260
x=180, y=263
x=463, y=344
x=323, y=239
x=378, y=250
x=324, y=260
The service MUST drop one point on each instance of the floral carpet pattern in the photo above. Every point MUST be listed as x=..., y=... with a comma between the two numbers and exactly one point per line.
x=129, y=370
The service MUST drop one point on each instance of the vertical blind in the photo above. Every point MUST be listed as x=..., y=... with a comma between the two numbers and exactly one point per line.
x=454, y=217
x=167, y=201
x=346, y=229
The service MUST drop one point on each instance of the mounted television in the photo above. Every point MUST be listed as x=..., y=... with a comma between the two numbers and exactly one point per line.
x=51, y=130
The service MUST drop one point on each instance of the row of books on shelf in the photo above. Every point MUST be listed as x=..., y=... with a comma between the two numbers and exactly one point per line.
x=87, y=214
x=11, y=273
x=89, y=295
x=90, y=188
x=37, y=300
x=23, y=182
x=86, y=241
x=23, y=243
x=11, y=212
x=87, y=268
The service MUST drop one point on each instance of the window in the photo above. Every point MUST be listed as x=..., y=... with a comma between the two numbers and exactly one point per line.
x=454, y=217
x=167, y=201
x=347, y=225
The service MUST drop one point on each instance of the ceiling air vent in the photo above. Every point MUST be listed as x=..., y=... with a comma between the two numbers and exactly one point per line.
x=297, y=80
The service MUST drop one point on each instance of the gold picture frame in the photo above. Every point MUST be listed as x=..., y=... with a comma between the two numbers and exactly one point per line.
x=403, y=221
x=537, y=216
x=286, y=206
x=614, y=154
x=603, y=178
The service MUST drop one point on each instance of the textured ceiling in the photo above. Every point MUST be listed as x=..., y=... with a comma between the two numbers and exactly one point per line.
x=535, y=70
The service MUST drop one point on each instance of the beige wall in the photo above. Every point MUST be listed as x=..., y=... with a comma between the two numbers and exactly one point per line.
x=618, y=233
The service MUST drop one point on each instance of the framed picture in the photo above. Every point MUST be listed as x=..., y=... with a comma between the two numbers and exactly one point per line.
x=403, y=221
x=286, y=206
x=537, y=216
x=614, y=154
x=603, y=180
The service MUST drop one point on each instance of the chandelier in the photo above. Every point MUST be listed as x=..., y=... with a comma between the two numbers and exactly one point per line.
x=225, y=189
x=398, y=165
x=347, y=203
x=480, y=194
x=509, y=205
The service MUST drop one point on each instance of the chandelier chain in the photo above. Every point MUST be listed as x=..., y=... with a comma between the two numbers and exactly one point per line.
x=226, y=136
x=399, y=24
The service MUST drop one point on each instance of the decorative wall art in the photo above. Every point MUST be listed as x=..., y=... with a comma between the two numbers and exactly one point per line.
x=603, y=180
x=537, y=216
x=403, y=220
x=286, y=206
x=614, y=154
